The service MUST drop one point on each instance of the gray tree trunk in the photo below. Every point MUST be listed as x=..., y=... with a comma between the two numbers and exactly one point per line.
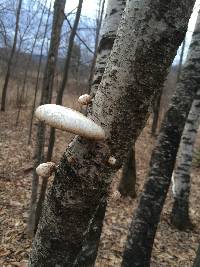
x=181, y=179
x=144, y=224
x=128, y=178
x=156, y=109
x=120, y=106
x=58, y=19
x=5, y=86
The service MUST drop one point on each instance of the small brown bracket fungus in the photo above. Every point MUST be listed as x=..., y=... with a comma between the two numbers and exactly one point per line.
x=46, y=169
x=85, y=99
x=112, y=161
x=69, y=120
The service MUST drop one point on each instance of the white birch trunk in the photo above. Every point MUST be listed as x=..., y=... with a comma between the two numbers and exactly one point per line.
x=181, y=179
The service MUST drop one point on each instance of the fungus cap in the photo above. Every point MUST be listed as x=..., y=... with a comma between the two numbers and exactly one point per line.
x=84, y=99
x=112, y=160
x=69, y=120
x=46, y=169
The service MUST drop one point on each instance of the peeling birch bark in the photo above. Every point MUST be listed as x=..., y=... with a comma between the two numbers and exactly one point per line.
x=181, y=180
x=145, y=221
x=134, y=73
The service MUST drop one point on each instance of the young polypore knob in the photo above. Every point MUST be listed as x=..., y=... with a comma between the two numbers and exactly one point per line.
x=46, y=169
x=112, y=160
x=69, y=120
x=85, y=99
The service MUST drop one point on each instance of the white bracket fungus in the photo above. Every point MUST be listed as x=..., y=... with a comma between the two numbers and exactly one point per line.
x=69, y=120
x=112, y=161
x=85, y=99
x=46, y=169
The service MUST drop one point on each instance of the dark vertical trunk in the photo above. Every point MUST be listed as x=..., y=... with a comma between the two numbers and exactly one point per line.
x=5, y=86
x=128, y=178
x=144, y=224
x=121, y=107
x=156, y=110
x=58, y=19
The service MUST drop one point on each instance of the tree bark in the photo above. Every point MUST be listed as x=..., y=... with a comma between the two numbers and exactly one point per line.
x=156, y=110
x=5, y=86
x=128, y=178
x=144, y=224
x=181, y=180
x=58, y=19
x=121, y=107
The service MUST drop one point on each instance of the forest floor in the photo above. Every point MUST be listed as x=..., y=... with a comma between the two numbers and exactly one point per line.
x=171, y=247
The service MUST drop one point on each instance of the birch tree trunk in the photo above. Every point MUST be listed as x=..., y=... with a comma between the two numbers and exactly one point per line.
x=120, y=106
x=10, y=61
x=181, y=180
x=58, y=19
x=144, y=224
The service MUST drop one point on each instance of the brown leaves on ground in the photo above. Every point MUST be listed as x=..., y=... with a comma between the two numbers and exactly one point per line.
x=171, y=248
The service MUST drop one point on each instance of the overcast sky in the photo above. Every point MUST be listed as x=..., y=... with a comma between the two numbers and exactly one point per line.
x=90, y=8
